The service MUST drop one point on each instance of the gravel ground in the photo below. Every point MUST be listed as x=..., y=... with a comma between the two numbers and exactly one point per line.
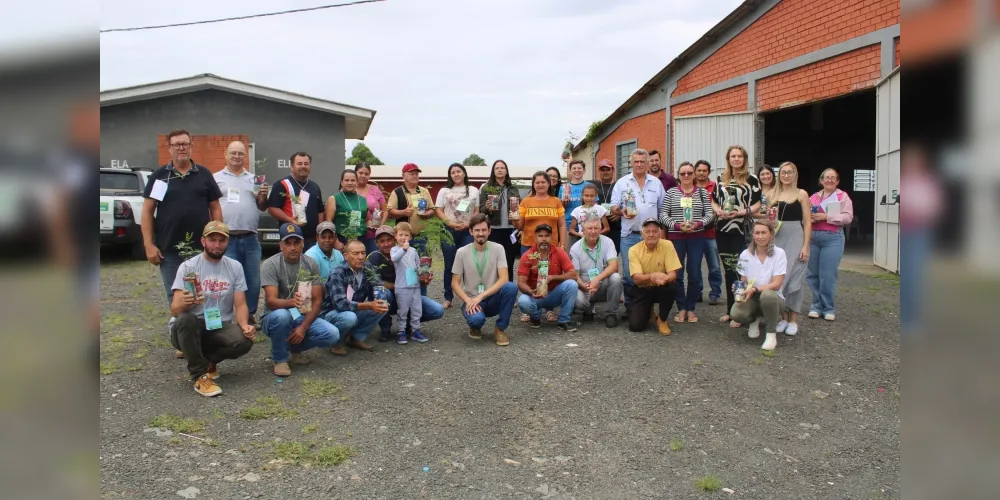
x=594, y=414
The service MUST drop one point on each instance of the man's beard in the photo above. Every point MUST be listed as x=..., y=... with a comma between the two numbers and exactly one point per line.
x=480, y=239
x=215, y=256
x=544, y=247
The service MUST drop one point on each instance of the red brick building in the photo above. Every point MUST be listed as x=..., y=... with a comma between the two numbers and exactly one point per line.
x=790, y=80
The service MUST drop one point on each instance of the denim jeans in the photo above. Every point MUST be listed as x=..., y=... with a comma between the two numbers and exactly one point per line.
x=499, y=304
x=278, y=325
x=563, y=297
x=431, y=310
x=689, y=252
x=246, y=251
x=914, y=247
x=356, y=324
x=627, y=242
x=825, y=250
x=168, y=271
x=714, y=271
x=462, y=238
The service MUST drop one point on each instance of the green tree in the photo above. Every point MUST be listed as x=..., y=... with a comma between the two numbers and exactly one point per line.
x=361, y=153
x=474, y=160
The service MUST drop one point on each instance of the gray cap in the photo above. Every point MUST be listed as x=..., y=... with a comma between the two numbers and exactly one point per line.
x=326, y=226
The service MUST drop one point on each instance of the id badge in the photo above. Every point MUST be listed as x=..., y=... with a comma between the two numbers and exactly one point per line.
x=233, y=195
x=213, y=318
x=480, y=289
x=355, y=219
x=304, y=197
x=513, y=237
x=159, y=190
x=295, y=313
x=686, y=203
x=463, y=205
x=411, y=277
x=607, y=207
x=593, y=272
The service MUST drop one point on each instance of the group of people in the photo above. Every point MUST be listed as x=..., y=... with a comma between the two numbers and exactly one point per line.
x=343, y=270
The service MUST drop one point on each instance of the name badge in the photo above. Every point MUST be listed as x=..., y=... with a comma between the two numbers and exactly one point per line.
x=480, y=289
x=463, y=205
x=686, y=203
x=355, y=219
x=159, y=190
x=607, y=207
x=593, y=272
x=513, y=236
x=411, y=277
x=234, y=195
x=295, y=313
x=213, y=318
x=304, y=197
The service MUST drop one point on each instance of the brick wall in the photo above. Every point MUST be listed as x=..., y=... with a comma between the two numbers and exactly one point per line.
x=839, y=75
x=650, y=130
x=207, y=150
x=729, y=100
x=790, y=29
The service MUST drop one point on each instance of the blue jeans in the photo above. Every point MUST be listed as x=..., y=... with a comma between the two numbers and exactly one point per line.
x=168, y=271
x=627, y=243
x=690, y=253
x=357, y=324
x=914, y=247
x=278, y=325
x=462, y=238
x=499, y=304
x=563, y=297
x=246, y=251
x=431, y=311
x=714, y=270
x=825, y=250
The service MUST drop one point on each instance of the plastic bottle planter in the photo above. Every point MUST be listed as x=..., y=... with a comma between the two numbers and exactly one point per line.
x=542, y=287
x=305, y=291
x=814, y=209
x=763, y=204
x=688, y=215
x=193, y=285
x=729, y=204
x=772, y=214
x=376, y=218
x=739, y=291
x=514, y=214
x=492, y=202
x=630, y=209
x=424, y=270
x=299, y=210
x=565, y=196
x=381, y=294
x=258, y=181
x=422, y=205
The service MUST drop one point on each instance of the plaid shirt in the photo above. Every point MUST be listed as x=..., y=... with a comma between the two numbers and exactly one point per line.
x=335, y=296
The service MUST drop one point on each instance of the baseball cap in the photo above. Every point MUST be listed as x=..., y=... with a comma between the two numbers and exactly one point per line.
x=543, y=227
x=215, y=227
x=385, y=230
x=289, y=230
x=605, y=163
x=326, y=226
x=650, y=220
x=410, y=167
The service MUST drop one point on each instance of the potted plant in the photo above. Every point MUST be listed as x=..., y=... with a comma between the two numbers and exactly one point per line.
x=492, y=198
x=303, y=285
x=298, y=209
x=732, y=262
x=191, y=281
x=434, y=233
x=372, y=274
x=542, y=285
x=628, y=200
x=259, y=177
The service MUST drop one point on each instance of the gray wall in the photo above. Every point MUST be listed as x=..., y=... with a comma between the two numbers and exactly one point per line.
x=129, y=131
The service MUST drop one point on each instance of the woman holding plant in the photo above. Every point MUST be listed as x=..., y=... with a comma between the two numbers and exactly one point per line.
x=348, y=210
x=456, y=204
x=376, y=205
x=737, y=196
x=685, y=213
x=768, y=186
x=792, y=234
x=499, y=199
x=762, y=269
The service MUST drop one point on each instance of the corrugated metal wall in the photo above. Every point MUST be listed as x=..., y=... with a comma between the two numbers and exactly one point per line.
x=707, y=137
x=887, y=175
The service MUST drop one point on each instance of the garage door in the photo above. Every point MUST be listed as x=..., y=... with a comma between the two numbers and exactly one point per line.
x=707, y=137
x=886, y=253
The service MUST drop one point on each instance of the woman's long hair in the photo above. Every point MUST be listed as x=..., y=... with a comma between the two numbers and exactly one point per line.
x=465, y=177
x=753, y=243
x=542, y=175
x=729, y=174
x=553, y=188
x=493, y=176
x=795, y=178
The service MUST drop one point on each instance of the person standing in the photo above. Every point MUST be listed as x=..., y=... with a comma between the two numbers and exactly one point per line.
x=549, y=262
x=407, y=288
x=765, y=264
x=298, y=189
x=217, y=327
x=654, y=266
x=348, y=210
x=184, y=197
x=241, y=210
x=373, y=194
x=349, y=302
x=291, y=330
x=457, y=203
x=404, y=206
x=917, y=225
x=686, y=212
x=832, y=210
x=541, y=208
x=598, y=279
x=605, y=186
x=555, y=180
x=737, y=197
x=571, y=195
x=480, y=280
x=792, y=235
x=702, y=171
x=499, y=213
x=655, y=169
x=323, y=252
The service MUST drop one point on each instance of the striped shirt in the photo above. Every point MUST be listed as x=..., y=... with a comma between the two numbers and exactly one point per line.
x=672, y=212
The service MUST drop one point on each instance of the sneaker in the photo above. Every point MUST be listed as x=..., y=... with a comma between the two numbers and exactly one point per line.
x=662, y=326
x=385, y=336
x=475, y=334
x=299, y=358
x=814, y=314
x=418, y=337
x=611, y=321
x=178, y=354
x=282, y=369
x=754, y=330
x=781, y=327
x=792, y=329
x=829, y=317
x=714, y=301
x=206, y=387
x=770, y=341
x=569, y=326
x=401, y=338
x=501, y=337
x=534, y=322
x=701, y=299
x=213, y=371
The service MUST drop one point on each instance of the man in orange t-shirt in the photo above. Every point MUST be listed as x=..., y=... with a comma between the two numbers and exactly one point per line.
x=551, y=262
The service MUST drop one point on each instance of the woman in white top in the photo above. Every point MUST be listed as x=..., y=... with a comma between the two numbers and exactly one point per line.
x=762, y=271
x=456, y=203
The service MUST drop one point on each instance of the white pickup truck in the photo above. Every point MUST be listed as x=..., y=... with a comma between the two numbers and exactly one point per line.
x=121, y=208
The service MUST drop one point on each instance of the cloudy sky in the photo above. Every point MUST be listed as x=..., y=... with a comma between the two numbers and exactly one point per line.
x=503, y=79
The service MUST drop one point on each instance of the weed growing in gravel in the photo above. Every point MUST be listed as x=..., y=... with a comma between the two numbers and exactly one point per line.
x=304, y=453
x=758, y=361
x=174, y=441
x=260, y=338
x=211, y=442
x=708, y=483
x=139, y=291
x=676, y=445
x=177, y=424
x=142, y=352
x=161, y=341
x=271, y=407
x=111, y=322
x=766, y=353
x=217, y=413
x=309, y=429
x=291, y=450
x=134, y=368
x=107, y=368
x=697, y=362
x=332, y=455
x=318, y=388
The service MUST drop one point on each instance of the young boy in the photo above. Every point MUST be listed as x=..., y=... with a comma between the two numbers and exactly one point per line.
x=589, y=209
x=407, y=284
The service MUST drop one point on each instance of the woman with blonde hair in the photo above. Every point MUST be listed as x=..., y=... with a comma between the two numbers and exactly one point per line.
x=736, y=197
x=762, y=272
x=793, y=231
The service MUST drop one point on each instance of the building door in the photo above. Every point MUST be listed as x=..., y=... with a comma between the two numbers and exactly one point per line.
x=886, y=253
x=707, y=137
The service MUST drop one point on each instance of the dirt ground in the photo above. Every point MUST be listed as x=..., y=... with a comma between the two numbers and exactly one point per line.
x=600, y=413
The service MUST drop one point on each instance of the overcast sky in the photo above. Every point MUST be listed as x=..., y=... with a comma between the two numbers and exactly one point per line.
x=504, y=79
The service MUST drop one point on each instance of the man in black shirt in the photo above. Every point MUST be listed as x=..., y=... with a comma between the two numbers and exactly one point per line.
x=184, y=197
x=281, y=206
x=605, y=185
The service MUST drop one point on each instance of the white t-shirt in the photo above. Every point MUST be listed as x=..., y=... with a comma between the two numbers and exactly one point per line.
x=583, y=257
x=578, y=214
x=451, y=199
x=763, y=272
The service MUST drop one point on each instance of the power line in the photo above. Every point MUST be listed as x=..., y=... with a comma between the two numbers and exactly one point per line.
x=293, y=11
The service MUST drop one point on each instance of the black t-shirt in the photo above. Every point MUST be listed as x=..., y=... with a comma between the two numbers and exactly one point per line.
x=278, y=198
x=604, y=196
x=387, y=271
x=184, y=208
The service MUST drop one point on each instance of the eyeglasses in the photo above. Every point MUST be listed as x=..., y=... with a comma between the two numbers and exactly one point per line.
x=785, y=173
x=181, y=145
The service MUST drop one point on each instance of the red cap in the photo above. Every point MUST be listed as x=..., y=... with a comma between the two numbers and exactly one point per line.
x=605, y=163
x=410, y=167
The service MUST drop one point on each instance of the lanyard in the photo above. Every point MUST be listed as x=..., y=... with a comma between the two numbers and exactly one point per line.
x=604, y=191
x=292, y=285
x=597, y=251
x=480, y=266
x=349, y=207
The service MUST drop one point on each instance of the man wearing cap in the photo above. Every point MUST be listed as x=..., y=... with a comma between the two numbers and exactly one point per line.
x=605, y=186
x=550, y=262
x=350, y=300
x=479, y=279
x=297, y=188
x=654, y=265
x=598, y=279
x=404, y=206
x=214, y=325
x=241, y=210
x=323, y=252
x=290, y=329
x=381, y=264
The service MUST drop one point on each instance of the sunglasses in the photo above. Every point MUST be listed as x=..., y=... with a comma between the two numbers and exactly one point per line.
x=685, y=174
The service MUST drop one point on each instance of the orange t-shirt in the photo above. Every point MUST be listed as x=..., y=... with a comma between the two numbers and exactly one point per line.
x=534, y=212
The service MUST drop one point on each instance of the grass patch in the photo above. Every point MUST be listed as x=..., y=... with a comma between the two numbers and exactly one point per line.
x=134, y=368
x=766, y=353
x=174, y=441
x=211, y=442
x=309, y=429
x=708, y=483
x=310, y=454
x=141, y=353
x=139, y=291
x=260, y=338
x=697, y=362
x=329, y=456
x=676, y=445
x=269, y=407
x=758, y=361
x=112, y=321
x=318, y=388
x=217, y=414
x=107, y=368
x=161, y=341
x=177, y=424
x=890, y=278
x=293, y=451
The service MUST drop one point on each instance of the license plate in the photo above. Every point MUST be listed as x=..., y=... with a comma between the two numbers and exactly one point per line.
x=271, y=236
